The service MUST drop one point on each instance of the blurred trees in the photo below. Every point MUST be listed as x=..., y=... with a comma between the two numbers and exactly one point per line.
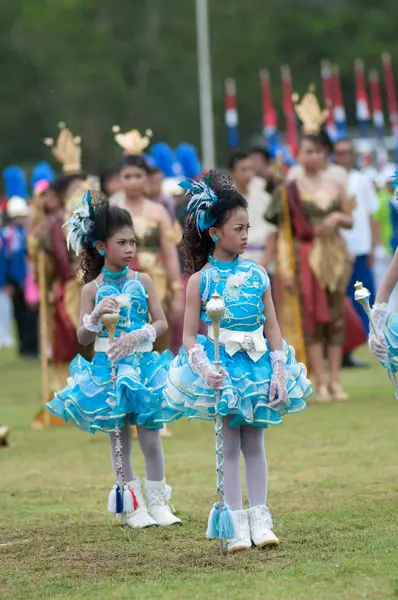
x=96, y=63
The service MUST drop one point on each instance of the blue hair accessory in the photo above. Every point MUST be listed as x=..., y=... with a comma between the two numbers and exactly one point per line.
x=394, y=183
x=81, y=224
x=202, y=198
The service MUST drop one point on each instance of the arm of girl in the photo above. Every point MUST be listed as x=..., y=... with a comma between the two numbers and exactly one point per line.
x=172, y=264
x=90, y=322
x=142, y=339
x=380, y=310
x=192, y=312
x=197, y=357
x=159, y=322
x=278, y=395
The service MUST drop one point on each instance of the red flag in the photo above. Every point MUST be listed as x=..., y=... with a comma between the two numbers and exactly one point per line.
x=326, y=73
x=363, y=115
x=269, y=113
x=391, y=98
x=288, y=108
x=338, y=103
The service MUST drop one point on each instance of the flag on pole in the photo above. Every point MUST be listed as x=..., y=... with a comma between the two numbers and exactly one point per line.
x=326, y=74
x=378, y=117
x=377, y=109
x=231, y=113
x=391, y=98
x=288, y=109
x=338, y=103
x=363, y=115
x=270, y=122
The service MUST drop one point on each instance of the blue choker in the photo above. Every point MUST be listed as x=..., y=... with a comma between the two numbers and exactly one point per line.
x=116, y=278
x=224, y=265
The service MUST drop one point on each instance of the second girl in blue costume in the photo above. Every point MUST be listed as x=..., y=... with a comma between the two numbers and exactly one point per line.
x=260, y=379
x=105, y=236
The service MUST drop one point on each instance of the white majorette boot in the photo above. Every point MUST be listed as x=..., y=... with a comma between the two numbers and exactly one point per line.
x=242, y=540
x=260, y=522
x=158, y=495
x=139, y=517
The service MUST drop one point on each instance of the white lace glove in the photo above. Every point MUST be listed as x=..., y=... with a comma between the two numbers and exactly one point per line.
x=278, y=396
x=377, y=342
x=93, y=321
x=200, y=364
x=140, y=340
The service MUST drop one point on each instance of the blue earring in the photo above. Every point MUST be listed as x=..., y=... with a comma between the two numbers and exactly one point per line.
x=215, y=239
x=101, y=252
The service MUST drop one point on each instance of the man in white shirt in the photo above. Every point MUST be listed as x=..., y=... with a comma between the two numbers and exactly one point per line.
x=253, y=189
x=363, y=237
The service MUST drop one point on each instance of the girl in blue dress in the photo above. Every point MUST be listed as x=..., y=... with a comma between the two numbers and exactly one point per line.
x=260, y=379
x=383, y=342
x=94, y=400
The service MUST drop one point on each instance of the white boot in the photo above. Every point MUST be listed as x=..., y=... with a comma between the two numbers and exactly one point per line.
x=140, y=517
x=242, y=540
x=260, y=522
x=158, y=495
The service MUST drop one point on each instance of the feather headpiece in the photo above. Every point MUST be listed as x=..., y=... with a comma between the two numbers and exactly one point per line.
x=201, y=199
x=80, y=226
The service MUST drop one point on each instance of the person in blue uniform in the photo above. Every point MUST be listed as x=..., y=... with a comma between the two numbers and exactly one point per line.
x=94, y=400
x=260, y=379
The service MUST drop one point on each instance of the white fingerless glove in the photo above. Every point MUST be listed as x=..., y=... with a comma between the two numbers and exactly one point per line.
x=140, y=340
x=278, y=395
x=93, y=321
x=200, y=364
x=377, y=342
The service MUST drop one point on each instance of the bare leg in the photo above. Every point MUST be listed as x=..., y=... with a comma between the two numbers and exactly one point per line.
x=315, y=355
x=334, y=356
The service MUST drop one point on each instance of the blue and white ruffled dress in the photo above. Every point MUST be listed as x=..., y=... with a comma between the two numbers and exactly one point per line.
x=91, y=400
x=244, y=355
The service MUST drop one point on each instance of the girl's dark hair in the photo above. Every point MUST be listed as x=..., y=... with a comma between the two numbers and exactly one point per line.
x=196, y=246
x=107, y=220
x=321, y=139
x=108, y=173
x=62, y=182
x=131, y=160
x=236, y=157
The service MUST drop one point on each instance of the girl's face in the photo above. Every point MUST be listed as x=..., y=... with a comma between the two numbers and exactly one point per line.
x=119, y=248
x=233, y=234
x=51, y=201
x=134, y=181
x=311, y=156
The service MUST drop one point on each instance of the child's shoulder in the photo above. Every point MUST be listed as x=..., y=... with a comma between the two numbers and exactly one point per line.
x=89, y=290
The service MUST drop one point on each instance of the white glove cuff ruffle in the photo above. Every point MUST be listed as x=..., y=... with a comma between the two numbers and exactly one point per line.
x=150, y=337
x=90, y=326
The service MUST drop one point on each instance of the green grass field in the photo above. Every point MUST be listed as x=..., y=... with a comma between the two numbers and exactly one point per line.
x=333, y=491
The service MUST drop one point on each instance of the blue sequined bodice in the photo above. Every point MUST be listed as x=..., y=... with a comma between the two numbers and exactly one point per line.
x=134, y=304
x=242, y=285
